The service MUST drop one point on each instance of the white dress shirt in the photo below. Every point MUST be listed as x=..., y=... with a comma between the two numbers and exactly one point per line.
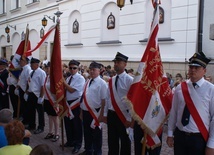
x=95, y=93
x=205, y=91
x=36, y=81
x=23, y=78
x=123, y=84
x=77, y=83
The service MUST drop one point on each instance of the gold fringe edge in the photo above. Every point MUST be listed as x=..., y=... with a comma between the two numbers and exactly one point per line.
x=136, y=117
x=143, y=126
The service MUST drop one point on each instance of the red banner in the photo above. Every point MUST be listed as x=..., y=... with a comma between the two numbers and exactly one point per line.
x=56, y=77
x=150, y=93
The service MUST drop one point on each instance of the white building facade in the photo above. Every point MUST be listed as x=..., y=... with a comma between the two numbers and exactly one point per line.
x=96, y=39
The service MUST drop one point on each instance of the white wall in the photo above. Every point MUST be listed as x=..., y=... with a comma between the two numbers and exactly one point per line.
x=133, y=27
x=208, y=45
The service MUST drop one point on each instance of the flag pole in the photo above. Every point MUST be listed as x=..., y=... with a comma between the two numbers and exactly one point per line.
x=61, y=118
x=26, y=41
x=144, y=144
x=62, y=133
x=24, y=52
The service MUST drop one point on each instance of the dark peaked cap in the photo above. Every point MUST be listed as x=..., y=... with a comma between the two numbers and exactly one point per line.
x=34, y=60
x=120, y=57
x=95, y=64
x=48, y=64
x=199, y=59
x=3, y=61
x=74, y=62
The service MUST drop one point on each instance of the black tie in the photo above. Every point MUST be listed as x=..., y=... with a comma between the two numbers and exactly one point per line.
x=91, y=82
x=69, y=82
x=117, y=77
x=32, y=73
x=186, y=113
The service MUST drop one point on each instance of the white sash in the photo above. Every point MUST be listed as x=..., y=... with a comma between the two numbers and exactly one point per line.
x=91, y=108
x=198, y=102
x=72, y=106
x=119, y=101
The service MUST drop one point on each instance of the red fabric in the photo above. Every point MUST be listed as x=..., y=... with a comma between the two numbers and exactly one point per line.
x=88, y=107
x=152, y=79
x=114, y=104
x=14, y=66
x=76, y=105
x=194, y=112
x=56, y=77
x=48, y=95
x=28, y=53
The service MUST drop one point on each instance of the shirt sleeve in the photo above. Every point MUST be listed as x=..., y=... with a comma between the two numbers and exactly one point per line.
x=210, y=142
x=173, y=115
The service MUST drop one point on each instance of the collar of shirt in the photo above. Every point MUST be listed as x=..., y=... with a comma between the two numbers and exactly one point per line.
x=75, y=75
x=26, y=66
x=200, y=82
x=95, y=79
x=122, y=74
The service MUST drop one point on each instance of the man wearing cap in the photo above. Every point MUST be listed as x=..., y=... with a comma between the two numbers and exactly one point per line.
x=191, y=121
x=4, y=100
x=22, y=86
x=118, y=116
x=34, y=96
x=73, y=124
x=12, y=83
x=92, y=105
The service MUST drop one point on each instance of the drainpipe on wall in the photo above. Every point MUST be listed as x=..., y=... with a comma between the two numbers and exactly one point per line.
x=200, y=26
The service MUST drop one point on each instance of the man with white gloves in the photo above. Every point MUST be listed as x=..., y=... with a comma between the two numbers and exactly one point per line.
x=120, y=132
x=22, y=86
x=34, y=96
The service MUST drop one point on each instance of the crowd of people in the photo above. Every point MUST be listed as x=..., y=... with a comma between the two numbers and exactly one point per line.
x=92, y=101
x=95, y=96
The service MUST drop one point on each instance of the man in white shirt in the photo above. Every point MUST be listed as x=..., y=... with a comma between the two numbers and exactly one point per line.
x=34, y=96
x=118, y=116
x=22, y=86
x=74, y=88
x=93, y=102
x=191, y=121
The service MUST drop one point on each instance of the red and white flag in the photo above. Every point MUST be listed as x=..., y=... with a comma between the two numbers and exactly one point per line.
x=14, y=67
x=150, y=93
x=56, y=77
x=41, y=41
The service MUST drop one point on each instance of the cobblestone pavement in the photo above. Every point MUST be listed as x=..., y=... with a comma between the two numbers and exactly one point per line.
x=39, y=139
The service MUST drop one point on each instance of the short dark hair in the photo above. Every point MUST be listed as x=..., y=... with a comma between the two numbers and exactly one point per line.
x=6, y=115
x=41, y=149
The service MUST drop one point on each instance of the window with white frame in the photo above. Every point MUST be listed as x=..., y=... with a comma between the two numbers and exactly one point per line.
x=2, y=6
x=15, y=4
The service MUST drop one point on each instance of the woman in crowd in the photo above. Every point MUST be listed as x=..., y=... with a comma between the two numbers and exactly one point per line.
x=15, y=132
x=50, y=107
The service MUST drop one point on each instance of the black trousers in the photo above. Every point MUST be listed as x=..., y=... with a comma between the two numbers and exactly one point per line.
x=92, y=137
x=14, y=100
x=118, y=139
x=73, y=128
x=188, y=144
x=138, y=135
x=23, y=107
x=33, y=106
x=4, y=101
